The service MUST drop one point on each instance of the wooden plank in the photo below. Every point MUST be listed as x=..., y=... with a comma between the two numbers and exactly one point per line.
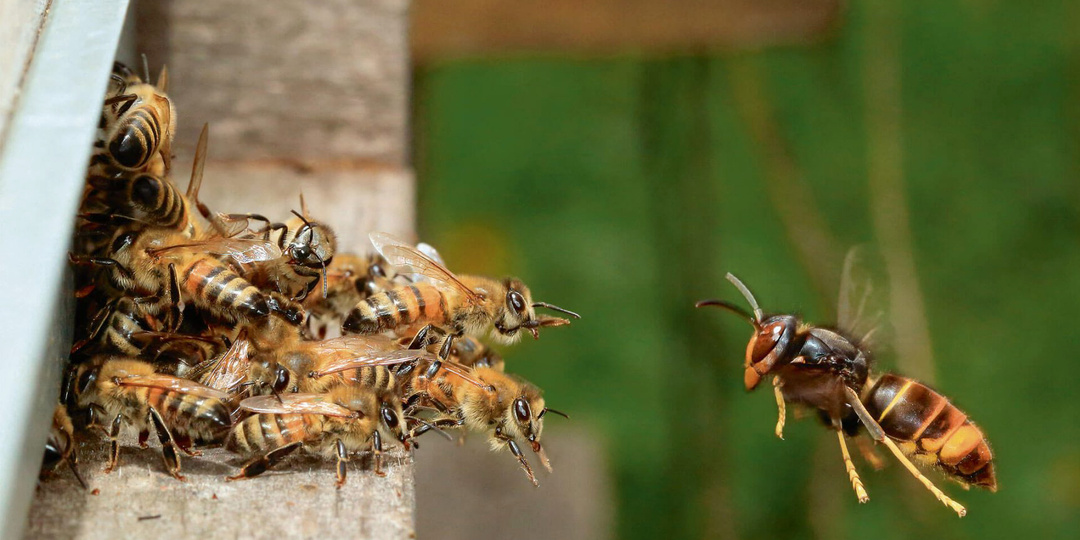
x=311, y=81
x=470, y=28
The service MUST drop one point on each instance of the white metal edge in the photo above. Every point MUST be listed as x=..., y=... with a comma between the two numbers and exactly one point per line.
x=42, y=169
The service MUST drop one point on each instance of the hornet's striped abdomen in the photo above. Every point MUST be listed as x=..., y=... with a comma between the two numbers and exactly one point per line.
x=398, y=307
x=911, y=412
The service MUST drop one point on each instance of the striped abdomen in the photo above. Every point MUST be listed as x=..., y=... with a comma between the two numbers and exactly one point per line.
x=211, y=285
x=121, y=330
x=911, y=412
x=140, y=131
x=204, y=418
x=398, y=307
x=263, y=432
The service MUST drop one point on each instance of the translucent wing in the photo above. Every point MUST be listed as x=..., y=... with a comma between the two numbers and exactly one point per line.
x=431, y=252
x=861, y=309
x=352, y=344
x=174, y=384
x=241, y=250
x=296, y=404
x=229, y=370
x=408, y=259
x=374, y=358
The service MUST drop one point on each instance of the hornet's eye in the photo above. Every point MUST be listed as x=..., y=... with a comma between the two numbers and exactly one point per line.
x=389, y=418
x=516, y=301
x=521, y=411
x=766, y=339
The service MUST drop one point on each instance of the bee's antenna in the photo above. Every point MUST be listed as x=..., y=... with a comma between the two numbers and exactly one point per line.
x=758, y=314
x=546, y=410
x=556, y=308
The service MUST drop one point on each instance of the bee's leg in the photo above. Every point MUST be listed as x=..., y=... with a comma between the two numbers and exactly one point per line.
x=853, y=475
x=869, y=454
x=260, y=464
x=342, y=460
x=168, y=445
x=101, y=261
x=879, y=435
x=183, y=442
x=114, y=448
x=424, y=337
x=176, y=313
x=376, y=451
x=778, y=384
x=143, y=436
x=73, y=464
x=126, y=99
x=96, y=326
x=289, y=310
x=521, y=459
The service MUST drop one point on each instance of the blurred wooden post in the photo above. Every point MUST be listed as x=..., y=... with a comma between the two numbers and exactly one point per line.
x=300, y=97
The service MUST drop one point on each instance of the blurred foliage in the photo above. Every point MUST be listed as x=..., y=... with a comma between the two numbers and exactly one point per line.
x=624, y=188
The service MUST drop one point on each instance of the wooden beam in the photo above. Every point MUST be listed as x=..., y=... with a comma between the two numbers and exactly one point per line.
x=472, y=28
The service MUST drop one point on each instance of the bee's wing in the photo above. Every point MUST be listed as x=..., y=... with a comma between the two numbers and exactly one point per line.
x=862, y=307
x=296, y=404
x=431, y=252
x=242, y=250
x=351, y=343
x=374, y=358
x=227, y=371
x=408, y=259
x=174, y=384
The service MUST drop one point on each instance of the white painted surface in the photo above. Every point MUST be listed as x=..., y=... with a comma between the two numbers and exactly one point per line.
x=43, y=160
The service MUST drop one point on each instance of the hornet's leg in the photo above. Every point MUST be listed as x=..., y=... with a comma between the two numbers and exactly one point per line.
x=853, y=475
x=879, y=435
x=778, y=384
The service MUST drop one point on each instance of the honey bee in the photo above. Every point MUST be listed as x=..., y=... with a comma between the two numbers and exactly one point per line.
x=60, y=446
x=345, y=420
x=128, y=391
x=142, y=199
x=291, y=260
x=829, y=371
x=508, y=410
x=139, y=123
x=349, y=279
x=459, y=304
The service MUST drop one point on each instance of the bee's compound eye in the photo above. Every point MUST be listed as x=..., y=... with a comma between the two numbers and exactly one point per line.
x=516, y=301
x=521, y=411
x=86, y=379
x=389, y=418
x=301, y=252
x=281, y=379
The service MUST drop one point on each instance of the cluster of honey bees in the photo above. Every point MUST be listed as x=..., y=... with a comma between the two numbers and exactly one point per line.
x=209, y=328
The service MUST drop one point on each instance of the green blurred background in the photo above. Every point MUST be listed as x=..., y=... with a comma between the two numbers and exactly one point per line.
x=945, y=134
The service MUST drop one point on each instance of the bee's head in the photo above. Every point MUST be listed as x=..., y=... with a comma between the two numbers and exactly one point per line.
x=772, y=336
x=313, y=245
x=392, y=418
x=519, y=311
